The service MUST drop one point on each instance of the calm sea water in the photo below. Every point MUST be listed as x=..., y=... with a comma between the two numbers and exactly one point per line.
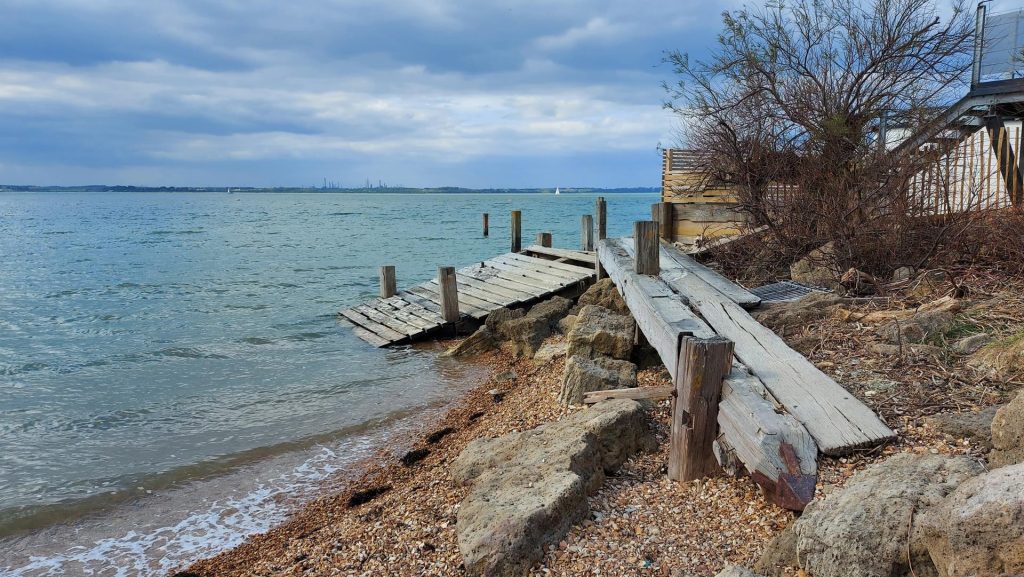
x=147, y=340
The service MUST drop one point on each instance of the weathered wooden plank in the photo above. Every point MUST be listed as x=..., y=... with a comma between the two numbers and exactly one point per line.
x=402, y=302
x=386, y=307
x=483, y=294
x=635, y=393
x=575, y=270
x=387, y=320
x=662, y=317
x=369, y=337
x=512, y=265
x=836, y=419
x=646, y=258
x=775, y=449
x=472, y=296
x=362, y=320
x=428, y=292
x=426, y=304
x=490, y=274
x=588, y=258
x=495, y=286
x=672, y=256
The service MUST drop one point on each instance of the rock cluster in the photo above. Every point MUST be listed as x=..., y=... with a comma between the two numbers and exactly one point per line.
x=599, y=344
x=521, y=332
x=529, y=488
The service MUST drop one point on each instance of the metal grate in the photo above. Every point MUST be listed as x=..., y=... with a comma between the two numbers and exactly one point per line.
x=785, y=291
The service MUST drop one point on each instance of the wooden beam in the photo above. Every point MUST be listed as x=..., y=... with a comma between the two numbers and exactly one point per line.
x=387, y=282
x=635, y=393
x=703, y=365
x=587, y=232
x=645, y=234
x=449, y=294
x=517, y=230
x=674, y=259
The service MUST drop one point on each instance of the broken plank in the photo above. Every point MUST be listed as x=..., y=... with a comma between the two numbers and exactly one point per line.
x=504, y=293
x=431, y=292
x=544, y=271
x=635, y=393
x=370, y=337
x=576, y=270
x=836, y=419
x=384, y=332
x=572, y=255
x=535, y=277
x=488, y=274
x=387, y=320
x=662, y=317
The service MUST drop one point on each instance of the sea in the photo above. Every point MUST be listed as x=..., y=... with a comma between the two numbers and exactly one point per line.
x=173, y=373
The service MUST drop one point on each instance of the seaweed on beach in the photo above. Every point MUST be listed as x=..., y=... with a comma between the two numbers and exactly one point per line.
x=414, y=456
x=438, y=435
x=367, y=495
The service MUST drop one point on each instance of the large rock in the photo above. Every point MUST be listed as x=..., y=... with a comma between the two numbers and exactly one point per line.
x=529, y=488
x=603, y=294
x=525, y=335
x=779, y=556
x=818, y=268
x=918, y=328
x=971, y=344
x=583, y=375
x=976, y=427
x=979, y=528
x=1008, y=433
x=480, y=341
x=497, y=320
x=1002, y=359
x=551, y=310
x=599, y=331
x=782, y=317
x=551, y=351
x=862, y=530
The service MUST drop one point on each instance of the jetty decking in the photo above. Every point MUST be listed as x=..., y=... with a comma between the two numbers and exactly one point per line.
x=508, y=280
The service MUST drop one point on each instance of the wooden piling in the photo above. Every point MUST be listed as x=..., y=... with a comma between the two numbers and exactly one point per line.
x=587, y=232
x=665, y=223
x=486, y=227
x=601, y=210
x=388, y=286
x=703, y=365
x=645, y=234
x=517, y=236
x=544, y=239
x=449, y=294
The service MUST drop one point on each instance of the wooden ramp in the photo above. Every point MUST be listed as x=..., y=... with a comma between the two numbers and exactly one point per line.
x=509, y=280
x=776, y=409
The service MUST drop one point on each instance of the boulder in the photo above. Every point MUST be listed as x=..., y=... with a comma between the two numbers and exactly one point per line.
x=1008, y=433
x=918, y=328
x=529, y=488
x=1002, y=360
x=862, y=529
x=782, y=317
x=499, y=318
x=971, y=344
x=603, y=294
x=599, y=331
x=480, y=341
x=583, y=375
x=551, y=310
x=550, y=351
x=566, y=323
x=526, y=334
x=779, y=556
x=976, y=427
x=979, y=528
x=818, y=268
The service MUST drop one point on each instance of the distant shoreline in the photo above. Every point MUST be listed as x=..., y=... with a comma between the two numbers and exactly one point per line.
x=375, y=190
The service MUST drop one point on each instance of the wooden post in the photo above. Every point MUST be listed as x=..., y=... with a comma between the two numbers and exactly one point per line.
x=544, y=239
x=601, y=209
x=387, y=282
x=587, y=232
x=665, y=223
x=645, y=235
x=517, y=238
x=486, y=227
x=449, y=294
x=655, y=211
x=703, y=365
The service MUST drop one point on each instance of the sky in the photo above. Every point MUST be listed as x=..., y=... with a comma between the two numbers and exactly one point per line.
x=507, y=93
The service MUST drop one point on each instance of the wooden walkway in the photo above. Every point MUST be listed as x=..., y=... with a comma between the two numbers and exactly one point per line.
x=508, y=280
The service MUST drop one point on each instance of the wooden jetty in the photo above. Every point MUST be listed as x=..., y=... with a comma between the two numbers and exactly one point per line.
x=742, y=397
x=509, y=280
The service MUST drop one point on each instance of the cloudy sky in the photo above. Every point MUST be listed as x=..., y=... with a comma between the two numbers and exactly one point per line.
x=507, y=93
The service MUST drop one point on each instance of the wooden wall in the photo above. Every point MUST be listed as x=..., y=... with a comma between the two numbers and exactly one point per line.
x=701, y=210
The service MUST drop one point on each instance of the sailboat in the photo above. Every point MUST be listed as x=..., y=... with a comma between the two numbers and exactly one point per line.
x=556, y=190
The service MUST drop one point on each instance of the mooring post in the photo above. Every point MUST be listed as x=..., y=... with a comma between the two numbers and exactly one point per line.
x=544, y=239
x=388, y=286
x=486, y=227
x=703, y=365
x=449, y=294
x=645, y=236
x=601, y=209
x=665, y=223
x=517, y=237
x=587, y=232
x=655, y=211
